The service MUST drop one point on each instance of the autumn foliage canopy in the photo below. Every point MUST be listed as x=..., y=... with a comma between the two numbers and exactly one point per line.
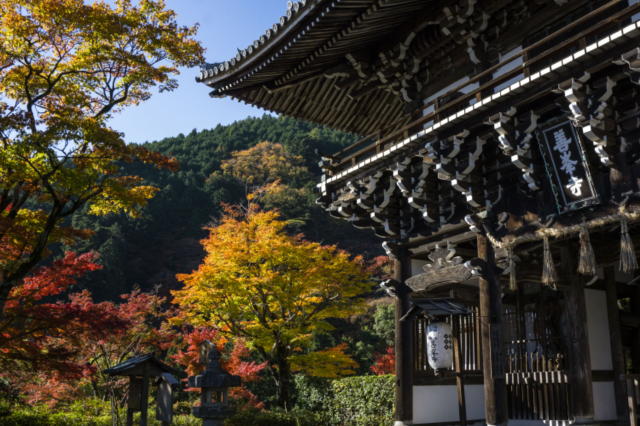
x=274, y=291
x=66, y=66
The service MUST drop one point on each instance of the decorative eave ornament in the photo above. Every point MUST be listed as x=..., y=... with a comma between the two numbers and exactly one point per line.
x=445, y=268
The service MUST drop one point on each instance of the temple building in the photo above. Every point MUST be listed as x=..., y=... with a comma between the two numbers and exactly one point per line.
x=499, y=163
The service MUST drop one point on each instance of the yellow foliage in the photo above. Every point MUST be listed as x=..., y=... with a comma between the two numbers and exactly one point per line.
x=330, y=363
x=66, y=66
x=273, y=290
x=264, y=163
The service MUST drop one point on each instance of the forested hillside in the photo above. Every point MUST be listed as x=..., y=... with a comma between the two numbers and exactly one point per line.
x=164, y=240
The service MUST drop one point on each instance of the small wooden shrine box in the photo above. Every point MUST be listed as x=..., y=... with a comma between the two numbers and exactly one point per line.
x=140, y=369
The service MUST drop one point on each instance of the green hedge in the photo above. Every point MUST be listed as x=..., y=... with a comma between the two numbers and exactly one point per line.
x=352, y=401
x=275, y=418
x=358, y=400
x=362, y=401
x=22, y=418
x=27, y=418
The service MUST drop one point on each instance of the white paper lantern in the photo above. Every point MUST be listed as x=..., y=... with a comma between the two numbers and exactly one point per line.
x=439, y=345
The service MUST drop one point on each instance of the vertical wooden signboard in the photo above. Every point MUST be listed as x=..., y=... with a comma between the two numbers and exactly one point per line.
x=567, y=167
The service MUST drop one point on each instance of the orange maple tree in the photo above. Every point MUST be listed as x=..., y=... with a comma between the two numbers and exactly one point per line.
x=37, y=322
x=274, y=291
x=43, y=328
x=235, y=361
x=384, y=363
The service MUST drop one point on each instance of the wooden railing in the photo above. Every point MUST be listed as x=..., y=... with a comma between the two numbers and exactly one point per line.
x=563, y=44
x=535, y=367
x=633, y=393
x=537, y=387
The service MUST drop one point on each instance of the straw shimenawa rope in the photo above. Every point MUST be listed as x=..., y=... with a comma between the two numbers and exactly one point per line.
x=631, y=213
x=587, y=264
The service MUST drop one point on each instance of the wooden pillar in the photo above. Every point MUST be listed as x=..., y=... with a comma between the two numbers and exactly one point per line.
x=144, y=398
x=129, y=416
x=632, y=402
x=635, y=345
x=617, y=349
x=576, y=336
x=403, y=342
x=133, y=400
x=457, y=365
x=490, y=300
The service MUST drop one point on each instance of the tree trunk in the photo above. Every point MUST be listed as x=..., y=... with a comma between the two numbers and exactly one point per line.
x=5, y=290
x=283, y=382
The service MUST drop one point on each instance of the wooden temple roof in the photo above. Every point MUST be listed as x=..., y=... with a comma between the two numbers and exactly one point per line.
x=456, y=102
x=366, y=66
x=134, y=366
x=284, y=70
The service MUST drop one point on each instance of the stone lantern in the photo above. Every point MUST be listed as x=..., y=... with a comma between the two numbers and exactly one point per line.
x=214, y=384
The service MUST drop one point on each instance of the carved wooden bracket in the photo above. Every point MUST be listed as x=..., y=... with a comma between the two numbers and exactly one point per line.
x=390, y=287
x=632, y=60
x=458, y=171
x=514, y=139
x=592, y=111
x=417, y=184
x=327, y=164
x=465, y=27
x=394, y=70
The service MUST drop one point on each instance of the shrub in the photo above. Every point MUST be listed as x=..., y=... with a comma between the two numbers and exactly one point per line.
x=274, y=418
x=71, y=416
x=42, y=417
x=362, y=401
x=312, y=393
x=352, y=401
x=21, y=418
x=77, y=419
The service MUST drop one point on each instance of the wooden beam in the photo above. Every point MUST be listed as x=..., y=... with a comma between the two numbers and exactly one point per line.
x=495, y=390
x=617, y=350
x=574, y=326
x=403, y=341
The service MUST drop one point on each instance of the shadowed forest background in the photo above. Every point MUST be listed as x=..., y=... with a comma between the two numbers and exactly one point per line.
x=148, y=251
x=267, y=162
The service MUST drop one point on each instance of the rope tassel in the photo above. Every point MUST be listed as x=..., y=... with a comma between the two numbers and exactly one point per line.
x=628, y=259
x=549, y=274
x=587, y=264
x=513, y=281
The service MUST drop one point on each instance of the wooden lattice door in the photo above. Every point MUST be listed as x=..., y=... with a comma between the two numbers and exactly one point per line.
x=535, y=361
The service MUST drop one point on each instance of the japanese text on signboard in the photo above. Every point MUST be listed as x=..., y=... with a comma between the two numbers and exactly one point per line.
x=567, y=167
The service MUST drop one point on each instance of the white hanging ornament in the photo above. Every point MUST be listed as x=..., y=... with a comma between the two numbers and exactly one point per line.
x=439, y=346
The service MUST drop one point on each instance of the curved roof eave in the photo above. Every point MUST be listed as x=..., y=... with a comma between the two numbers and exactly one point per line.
x=268, y=46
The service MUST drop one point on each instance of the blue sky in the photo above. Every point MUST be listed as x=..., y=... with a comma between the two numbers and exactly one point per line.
x=225, y=26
